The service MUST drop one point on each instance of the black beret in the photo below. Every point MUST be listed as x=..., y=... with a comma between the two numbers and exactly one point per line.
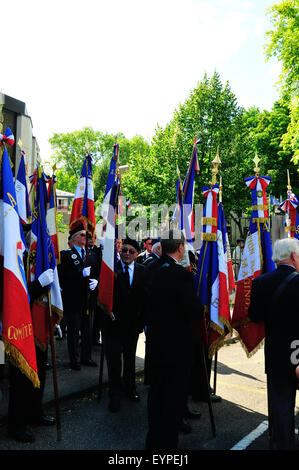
x=134, y=243
x=78, y=228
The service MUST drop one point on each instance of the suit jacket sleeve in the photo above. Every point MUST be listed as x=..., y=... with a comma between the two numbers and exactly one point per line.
x=257, y=308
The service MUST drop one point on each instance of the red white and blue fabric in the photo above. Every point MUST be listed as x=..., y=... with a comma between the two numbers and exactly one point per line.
x=22, y=192
x=226, y=247
x=290, y=206
x=7, y=137
x=258, y=185
x=42, y=257
x=51, y=216
x=17, y=329
x=220, y=317
x=211, y=279
x=109, y=257
x=110, y=183
x=83, y=205
x=256, y=260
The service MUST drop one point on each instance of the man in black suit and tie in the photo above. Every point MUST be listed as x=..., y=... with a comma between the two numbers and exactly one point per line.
x=173, y=306
x=78, y=275
x=121, y=334
x=275, y=301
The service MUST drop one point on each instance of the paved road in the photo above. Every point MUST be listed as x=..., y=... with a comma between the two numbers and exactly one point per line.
x=241, y=417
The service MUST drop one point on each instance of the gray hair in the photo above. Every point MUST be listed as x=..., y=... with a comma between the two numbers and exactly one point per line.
x=284, y=248
x=155, y=246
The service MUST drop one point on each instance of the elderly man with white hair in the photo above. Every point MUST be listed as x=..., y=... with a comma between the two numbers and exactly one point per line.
x=275, y=301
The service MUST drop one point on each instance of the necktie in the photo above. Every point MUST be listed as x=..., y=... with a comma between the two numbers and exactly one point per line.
x=83, y=255
x=127, y=276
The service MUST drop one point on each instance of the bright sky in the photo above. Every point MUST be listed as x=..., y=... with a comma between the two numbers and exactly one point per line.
x=125, y=65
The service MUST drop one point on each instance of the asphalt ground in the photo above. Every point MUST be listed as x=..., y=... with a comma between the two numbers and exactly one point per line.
x=87, y=425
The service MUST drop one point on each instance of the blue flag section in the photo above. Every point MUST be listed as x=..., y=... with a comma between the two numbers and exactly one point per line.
x=22, y=192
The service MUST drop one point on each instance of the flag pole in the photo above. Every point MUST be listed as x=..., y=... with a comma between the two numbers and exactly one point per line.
x=102, y=357
x=216, y=162
x=54, y=369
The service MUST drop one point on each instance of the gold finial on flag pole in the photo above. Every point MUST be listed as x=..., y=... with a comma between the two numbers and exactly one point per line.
x=216, y=162
x=256, y=161
x=289, y=181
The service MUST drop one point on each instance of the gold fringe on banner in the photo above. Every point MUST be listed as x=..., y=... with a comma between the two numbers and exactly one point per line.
x=18, y=360
x=250, y=354
x=224, y=335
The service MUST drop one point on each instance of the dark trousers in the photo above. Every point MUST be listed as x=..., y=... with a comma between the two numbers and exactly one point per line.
x=120, y=352
x=25, y=401
x=167, y=394
x=79, y=321
x=281, y=401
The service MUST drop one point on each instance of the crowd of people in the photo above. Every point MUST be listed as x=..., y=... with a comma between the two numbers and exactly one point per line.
x=155, y=293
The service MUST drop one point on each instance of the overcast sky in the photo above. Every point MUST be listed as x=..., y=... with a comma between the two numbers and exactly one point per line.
x=125, y=65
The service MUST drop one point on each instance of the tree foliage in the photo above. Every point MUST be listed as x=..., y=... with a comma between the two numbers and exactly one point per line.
x=283, y=43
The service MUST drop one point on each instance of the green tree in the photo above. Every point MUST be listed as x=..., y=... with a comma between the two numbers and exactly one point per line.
x=212, y=114
x=283, y=43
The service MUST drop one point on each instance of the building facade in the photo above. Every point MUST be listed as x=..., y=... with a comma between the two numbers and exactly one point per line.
x=16, y=117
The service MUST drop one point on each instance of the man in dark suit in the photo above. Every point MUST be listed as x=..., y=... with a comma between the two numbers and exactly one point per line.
x=173, y=306
x=275, y=300
x=155, y=253
x=121, y=334
x=147, y=244
x=78, y=275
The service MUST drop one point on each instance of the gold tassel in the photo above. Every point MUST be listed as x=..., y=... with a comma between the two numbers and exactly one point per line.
x=18, y=360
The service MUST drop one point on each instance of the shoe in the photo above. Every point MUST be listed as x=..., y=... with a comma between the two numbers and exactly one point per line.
x=75, y=366
x=22, y=435
x=43, y=420
x=90, y=363
x=215, y=398
x=114, y=404
x=193, y=414
x=185, y=427
x=133, y=395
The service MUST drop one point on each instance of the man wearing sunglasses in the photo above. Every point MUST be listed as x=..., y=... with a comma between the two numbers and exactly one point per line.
x=78, y=280
x=121, y=335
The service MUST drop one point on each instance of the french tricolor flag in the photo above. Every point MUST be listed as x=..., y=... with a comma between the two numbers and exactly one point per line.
x=109, y=259
x=22, y=192
x=256, y=260
x=83, y=205
x=289, y=206
x=17, y=329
